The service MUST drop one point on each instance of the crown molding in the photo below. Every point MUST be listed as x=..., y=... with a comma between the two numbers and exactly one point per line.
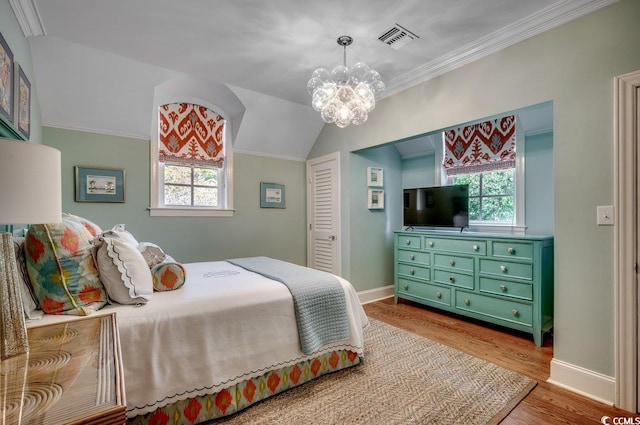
x=551, y=17
x=28, y=17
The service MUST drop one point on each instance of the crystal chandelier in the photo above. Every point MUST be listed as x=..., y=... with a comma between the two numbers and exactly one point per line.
x=345, y=96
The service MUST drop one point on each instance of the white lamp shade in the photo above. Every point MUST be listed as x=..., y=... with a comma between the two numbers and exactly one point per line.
x=30, y=183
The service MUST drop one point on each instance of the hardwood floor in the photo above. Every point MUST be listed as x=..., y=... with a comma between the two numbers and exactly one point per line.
x=546, y=404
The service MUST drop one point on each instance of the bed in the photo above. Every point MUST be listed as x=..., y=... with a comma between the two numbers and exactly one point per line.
x=225, y=340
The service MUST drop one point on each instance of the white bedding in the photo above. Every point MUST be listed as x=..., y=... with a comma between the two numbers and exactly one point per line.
x=224, y=326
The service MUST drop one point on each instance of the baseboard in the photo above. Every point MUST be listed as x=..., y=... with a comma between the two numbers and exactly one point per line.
x=583, y=381
x=377, y=294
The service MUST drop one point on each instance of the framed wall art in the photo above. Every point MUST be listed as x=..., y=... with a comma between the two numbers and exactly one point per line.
x=375, y=199
x=375, y=177
x=99, y=184
x=6, y=81
x=23, y=102
x=272, y=195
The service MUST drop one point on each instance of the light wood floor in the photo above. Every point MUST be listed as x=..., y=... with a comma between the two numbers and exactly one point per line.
x=546, y=404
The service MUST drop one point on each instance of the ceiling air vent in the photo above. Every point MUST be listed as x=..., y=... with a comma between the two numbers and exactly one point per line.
x=397, y=36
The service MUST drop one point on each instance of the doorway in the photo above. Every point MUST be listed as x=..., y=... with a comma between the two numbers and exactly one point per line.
x=323, y=213
x=627, y=338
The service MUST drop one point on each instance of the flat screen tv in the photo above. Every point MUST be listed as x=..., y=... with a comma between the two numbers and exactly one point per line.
x=438, y=206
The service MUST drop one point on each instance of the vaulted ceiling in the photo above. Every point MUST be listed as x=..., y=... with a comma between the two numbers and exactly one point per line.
x=94, y=56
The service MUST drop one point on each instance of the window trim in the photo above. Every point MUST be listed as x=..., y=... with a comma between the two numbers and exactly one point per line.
x=157, y=209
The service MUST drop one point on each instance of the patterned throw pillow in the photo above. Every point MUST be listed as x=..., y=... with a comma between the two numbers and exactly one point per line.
x=29, y=300
x=169, y=275
x=92, y=227
x=61, y=268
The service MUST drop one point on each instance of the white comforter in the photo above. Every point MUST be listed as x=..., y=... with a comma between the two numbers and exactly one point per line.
x=224, y=326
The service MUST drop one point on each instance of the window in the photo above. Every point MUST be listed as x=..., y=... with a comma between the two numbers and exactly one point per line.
x=488, y=156
x=192, y=162
x=491, y=195
x=191, y=186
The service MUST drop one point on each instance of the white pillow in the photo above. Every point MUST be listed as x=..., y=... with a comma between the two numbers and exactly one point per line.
x=119, y=230
x=123, y=270
x=152, y=253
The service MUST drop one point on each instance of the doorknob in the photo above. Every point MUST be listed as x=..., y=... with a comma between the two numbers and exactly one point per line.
x=332, y=238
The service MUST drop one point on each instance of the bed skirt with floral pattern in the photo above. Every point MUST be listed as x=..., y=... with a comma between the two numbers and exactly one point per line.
x=242, y=395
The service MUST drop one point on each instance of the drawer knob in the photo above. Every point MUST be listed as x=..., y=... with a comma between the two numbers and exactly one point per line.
x=514, y=312
x=503, y=269
x=438, y=294
x=406, y=287
x=430, y=243
x=413, y=257
x=503, y=288
x=467, y=302
x=452, y=262
x=510, y=250
x=412, y=272
x=475, y=247
x=452, y=279
x=408, y=241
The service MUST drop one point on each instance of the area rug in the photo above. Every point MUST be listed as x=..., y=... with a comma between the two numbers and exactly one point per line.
x=404, y=379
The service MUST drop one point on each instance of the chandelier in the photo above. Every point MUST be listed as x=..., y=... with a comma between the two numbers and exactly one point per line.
x=345, y=96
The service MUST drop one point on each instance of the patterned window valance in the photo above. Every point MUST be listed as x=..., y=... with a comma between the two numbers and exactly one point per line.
x=486, y=146
x=190, y=135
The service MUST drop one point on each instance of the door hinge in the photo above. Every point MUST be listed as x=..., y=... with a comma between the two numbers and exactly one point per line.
x=636, y=267
x=311, y=228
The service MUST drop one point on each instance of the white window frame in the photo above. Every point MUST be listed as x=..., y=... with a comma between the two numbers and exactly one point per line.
x=157, y=208
x=519, y=227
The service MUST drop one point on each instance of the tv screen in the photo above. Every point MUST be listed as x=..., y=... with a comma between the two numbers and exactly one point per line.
x=439, y=206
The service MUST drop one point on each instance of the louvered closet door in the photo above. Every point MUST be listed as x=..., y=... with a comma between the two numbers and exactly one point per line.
x=324, y=213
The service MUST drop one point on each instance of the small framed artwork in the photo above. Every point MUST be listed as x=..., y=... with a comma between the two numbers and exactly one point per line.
x=6, y=80
x=23, y=102
x=375, y=199
x=375, y=177
x=99, y=184
x=272, y=195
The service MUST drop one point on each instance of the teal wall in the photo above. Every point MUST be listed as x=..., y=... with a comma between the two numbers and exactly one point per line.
x=373, y=244
x=252, y=231
x=419, y=171
x=572, y=65
x=22, y=54
x=538, y=180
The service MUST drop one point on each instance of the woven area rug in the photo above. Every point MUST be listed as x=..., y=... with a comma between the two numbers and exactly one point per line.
x=404, y=379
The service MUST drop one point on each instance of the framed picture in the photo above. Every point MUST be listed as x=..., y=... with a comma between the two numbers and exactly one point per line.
x=6, y=80
x=99, y=184
x=23, y=102
x=375, y=177
x=271, y=195
x=375, y=199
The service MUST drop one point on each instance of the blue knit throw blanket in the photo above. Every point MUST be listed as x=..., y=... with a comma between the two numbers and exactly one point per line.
x=318, y=299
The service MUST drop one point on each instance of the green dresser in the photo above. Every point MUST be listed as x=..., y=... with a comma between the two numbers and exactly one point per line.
x=503, y=279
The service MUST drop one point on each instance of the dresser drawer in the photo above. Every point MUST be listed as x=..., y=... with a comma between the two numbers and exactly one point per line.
x=518, y=250
x=413, y=257
x=434, y=293
x=503, y=309
x=507, y=288
x=506, y=268
x=409, y=241
x=452, y=278
x=464, y=246
x=453, y=262
x=412, y=270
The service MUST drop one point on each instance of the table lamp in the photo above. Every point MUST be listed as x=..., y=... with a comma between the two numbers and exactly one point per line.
x=30, y=193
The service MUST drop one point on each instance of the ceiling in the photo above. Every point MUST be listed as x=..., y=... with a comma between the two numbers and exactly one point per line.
x=272, y=47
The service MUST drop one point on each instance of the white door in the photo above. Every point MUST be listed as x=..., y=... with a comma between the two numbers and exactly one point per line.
x=323, y=213
x=637, y=227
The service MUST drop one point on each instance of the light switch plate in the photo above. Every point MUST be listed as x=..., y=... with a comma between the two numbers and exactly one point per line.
x=605, y=215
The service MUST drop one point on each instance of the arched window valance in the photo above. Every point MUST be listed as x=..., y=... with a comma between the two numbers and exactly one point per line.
x=486, y=146
x=191, y=135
